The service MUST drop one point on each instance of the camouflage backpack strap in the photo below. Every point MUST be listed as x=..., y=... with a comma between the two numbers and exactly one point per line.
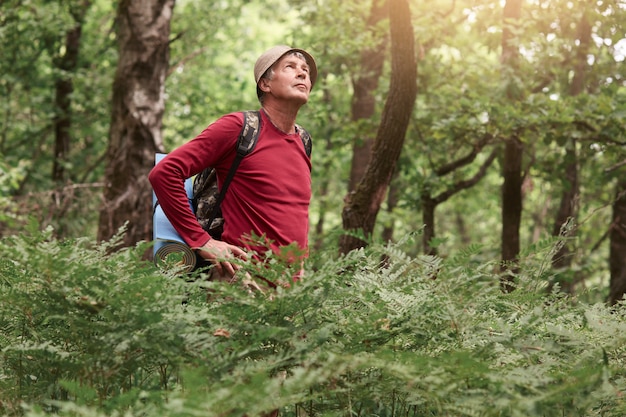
x=206, y=196
x=204, y=201
x=249, y=132
x=245, y=144
x=306, y=140
x=205, y=180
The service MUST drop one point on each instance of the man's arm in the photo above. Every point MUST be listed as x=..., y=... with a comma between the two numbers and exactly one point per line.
x=168, y=182
x=214, y=146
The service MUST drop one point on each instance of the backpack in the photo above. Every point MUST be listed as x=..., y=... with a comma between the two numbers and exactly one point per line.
x=206, y=197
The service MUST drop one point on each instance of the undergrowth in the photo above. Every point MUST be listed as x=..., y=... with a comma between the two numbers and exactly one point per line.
x=89, y=333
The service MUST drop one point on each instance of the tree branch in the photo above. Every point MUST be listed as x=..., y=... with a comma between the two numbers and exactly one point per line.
x=466, y=160
x=615, y=166
x=462, y=185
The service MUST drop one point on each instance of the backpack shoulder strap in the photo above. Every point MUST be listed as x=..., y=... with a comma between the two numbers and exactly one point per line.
x=306, y=140
x=245, y=144
x=249, y=132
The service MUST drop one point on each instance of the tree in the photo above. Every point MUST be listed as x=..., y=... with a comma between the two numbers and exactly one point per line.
x=362, y=204
x=458, y=45
x=54, y=85
x=617, y=261
x=430, y=203
x=568, y=208
x=66, y=64
x=353, y=51
x=513, y=150
x=143, y=29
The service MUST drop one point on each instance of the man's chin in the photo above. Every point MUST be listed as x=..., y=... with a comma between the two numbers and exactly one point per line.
x=301, y=101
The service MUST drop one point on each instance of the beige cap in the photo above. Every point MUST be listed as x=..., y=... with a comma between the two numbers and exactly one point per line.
x=271, y=56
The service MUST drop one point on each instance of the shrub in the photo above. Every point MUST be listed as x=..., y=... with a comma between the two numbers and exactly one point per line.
x=86, y=333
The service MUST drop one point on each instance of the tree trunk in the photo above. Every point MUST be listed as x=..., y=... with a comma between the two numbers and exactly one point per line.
x=513, y=151
x=365, y=85
x=64, y=88
x=511, y=209
x=568, y=209
x=67, y=64
x=428, y=218
x=143, y=28
x=392, y=201
x=617, y=254
x=362, y=205
x=563, y=227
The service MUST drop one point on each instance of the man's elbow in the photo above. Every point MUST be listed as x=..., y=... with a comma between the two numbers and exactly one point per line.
x=155, y=175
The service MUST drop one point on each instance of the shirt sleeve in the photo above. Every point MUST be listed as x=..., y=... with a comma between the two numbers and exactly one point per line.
x=213, y=147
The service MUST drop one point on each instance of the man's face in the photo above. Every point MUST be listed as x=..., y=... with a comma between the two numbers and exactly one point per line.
x=291, y=79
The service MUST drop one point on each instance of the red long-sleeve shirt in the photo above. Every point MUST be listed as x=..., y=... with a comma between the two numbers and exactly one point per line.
x=269, y=194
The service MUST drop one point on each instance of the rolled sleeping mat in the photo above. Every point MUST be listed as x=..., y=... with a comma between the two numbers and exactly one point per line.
x=168, y=245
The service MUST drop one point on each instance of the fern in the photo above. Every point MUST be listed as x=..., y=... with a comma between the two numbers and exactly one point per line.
x=90, y=332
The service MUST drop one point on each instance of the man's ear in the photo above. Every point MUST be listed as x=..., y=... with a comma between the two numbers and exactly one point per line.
x=264, y=85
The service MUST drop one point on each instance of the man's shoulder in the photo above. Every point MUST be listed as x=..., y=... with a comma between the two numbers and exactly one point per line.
x=227, y=126
x=235, y=117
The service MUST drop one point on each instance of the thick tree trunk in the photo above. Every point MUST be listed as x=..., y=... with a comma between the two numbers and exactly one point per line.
x=617, y=254
x=137, y=109
x=512, y=161
x=362, y=205
x=365, y=85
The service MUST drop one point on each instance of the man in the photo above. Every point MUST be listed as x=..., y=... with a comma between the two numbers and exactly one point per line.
x=270, y=193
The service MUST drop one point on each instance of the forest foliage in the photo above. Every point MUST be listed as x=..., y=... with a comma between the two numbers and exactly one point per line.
x=460, y=103
x=91, y=334
x=384, y=330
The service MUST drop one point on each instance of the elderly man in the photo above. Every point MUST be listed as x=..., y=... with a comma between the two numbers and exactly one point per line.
x=270, y=193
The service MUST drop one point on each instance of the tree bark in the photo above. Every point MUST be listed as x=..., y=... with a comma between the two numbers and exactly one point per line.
x=362, y=205
x=617, y=252
x=365, y=85
x=513, y=151
x=143, y=28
